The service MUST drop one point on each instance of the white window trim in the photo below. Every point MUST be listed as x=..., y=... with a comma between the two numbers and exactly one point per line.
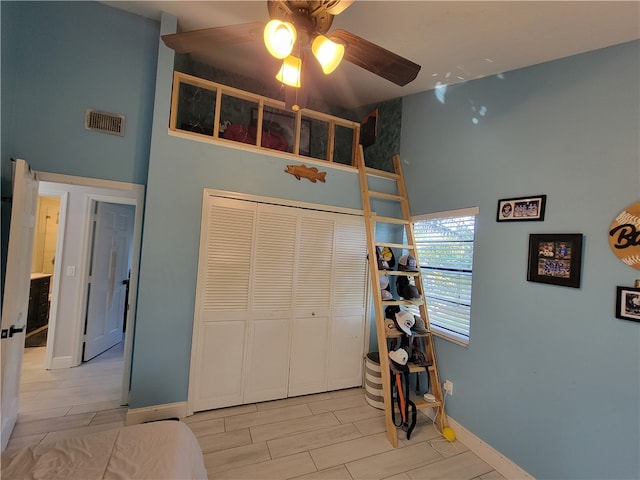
x=461, y=212
x=450, y=336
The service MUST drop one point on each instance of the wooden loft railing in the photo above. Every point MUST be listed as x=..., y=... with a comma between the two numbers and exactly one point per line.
x=261, y=103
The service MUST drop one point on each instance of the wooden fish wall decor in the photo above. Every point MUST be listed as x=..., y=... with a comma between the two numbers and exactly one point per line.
x=310, y=173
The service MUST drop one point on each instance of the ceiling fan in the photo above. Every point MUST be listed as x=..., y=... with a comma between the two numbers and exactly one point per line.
x=306, y=23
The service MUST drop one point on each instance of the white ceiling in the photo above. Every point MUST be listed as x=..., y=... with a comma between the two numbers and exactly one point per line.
x=454, y=41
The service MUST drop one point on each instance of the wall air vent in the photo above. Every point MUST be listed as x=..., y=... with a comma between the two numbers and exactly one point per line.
x=104, y=122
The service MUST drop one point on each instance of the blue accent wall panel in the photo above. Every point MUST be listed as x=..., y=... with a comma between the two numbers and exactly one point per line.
x=550, y=377
x=58, y=59
x=63, y=58
x=179, y=170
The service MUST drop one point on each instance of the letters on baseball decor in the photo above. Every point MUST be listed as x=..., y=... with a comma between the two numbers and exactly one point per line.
x=624, y=235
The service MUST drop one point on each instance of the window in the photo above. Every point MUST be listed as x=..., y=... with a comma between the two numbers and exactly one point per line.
x=444, y=243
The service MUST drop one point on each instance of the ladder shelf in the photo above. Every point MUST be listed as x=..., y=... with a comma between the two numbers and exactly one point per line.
x=384, y=336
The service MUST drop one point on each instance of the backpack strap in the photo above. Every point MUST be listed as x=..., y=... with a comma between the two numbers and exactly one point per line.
x=414, y=418
x=396, y=397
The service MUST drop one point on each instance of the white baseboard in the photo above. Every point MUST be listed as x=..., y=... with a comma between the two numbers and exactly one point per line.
x=505, y=467
x=501, y=464
x=156, y=412
x=62, y=362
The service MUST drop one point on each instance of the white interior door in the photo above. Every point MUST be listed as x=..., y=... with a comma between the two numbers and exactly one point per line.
x=108, y=273
x=266, y=375
x=310, y=346
x=222, y=304
x=16, y=292
x=346, y=344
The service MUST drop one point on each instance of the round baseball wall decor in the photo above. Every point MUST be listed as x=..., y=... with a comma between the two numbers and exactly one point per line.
x=624, y=235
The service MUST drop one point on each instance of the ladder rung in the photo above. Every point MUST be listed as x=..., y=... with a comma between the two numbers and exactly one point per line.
x=387, y=196
x=397, y=334
x=399, y=221
x=395, y=245
x=381, y=173
x=392, y=302
x=422, y=403
x=401, y=302
x=400, y=273
x=413, y=368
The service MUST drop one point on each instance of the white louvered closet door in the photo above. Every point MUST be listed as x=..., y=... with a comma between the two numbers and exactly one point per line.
x=312, y=301
x=222, y=303
x=267, y=366
x=279, y=303
x=346, y=342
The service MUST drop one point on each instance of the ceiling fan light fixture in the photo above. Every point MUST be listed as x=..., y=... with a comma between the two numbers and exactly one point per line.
x=279, y=38
x=289, y=73
x=328, y=53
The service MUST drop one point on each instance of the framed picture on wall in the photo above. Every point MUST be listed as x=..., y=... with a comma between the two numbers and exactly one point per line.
x=628, y=303
x=369, y=129
x=521, y=209
x=555, y=258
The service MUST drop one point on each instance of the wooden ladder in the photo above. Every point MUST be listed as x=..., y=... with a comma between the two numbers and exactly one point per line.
x=384, y=336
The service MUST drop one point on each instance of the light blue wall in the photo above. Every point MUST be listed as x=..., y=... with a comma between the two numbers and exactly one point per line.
x=60, y=58
x=179, y=170
x=550, y=377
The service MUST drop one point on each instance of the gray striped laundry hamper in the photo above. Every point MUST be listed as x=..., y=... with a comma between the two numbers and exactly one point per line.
x=373, y=380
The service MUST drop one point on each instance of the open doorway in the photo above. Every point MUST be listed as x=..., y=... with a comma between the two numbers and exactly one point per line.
x=74, y=277
x=110, y=260
x=42, y=268
x=69, y=291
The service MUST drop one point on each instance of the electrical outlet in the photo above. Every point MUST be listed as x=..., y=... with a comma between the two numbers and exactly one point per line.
x=448, y=387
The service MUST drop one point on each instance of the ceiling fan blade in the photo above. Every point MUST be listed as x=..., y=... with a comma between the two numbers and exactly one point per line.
x=191, y=41
x=376, y=59
x=335, y=7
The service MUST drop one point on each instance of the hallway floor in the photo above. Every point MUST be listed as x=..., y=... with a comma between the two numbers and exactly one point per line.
x=66, y=402
x=334, y=435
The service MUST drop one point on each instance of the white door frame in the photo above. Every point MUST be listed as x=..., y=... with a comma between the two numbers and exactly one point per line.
x=132, y=194
x=57, y=270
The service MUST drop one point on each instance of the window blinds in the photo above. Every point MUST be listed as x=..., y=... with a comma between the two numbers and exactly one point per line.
x=445, y=251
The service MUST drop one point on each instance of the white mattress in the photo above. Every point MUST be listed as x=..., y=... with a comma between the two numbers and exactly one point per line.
x=158, y=450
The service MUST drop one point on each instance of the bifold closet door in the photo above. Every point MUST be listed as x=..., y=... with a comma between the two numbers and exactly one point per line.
x=279, y=303
x=267, y=366
x=328, y=324
x=222, y=303
x=348, y=304
x=312, y=305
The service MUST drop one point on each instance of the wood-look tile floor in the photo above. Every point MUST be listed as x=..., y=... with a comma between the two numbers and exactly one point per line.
x=334, y=435
x=68, y=402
